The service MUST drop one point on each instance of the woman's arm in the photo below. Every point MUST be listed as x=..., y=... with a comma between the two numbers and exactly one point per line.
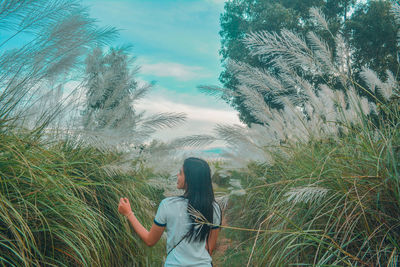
x=212, y=240
x=151, y=237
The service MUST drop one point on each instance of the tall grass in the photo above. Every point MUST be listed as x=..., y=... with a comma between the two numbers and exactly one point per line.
x=324, y=185
x=59, y=206
x=59, y=199
x=331, y=203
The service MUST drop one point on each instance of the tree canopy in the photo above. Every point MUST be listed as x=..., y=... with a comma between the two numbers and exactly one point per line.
x=369, y=27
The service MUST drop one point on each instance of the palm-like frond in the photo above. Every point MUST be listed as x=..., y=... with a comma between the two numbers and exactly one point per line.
x=163, y=120
x=141, y=92
x=193, y=141
x=112, y=91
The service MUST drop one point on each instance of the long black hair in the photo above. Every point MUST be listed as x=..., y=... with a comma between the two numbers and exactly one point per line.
x=200, y=195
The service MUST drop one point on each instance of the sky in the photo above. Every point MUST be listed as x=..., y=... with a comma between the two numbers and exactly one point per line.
x=176, y=44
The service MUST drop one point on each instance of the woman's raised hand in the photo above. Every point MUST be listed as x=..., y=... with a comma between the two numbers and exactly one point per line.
x=124, y=207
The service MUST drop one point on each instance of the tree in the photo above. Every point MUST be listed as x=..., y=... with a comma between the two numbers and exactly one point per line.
x=112, y=90
x=243, y=17
x=373, y=33
x=110, y=87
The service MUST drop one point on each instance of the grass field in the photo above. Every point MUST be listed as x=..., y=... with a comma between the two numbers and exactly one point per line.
x=330, y=202
x=59, y=205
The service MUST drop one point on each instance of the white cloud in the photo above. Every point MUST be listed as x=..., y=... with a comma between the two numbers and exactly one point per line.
x=173, y=69
x=200, y=120
x=210, y=115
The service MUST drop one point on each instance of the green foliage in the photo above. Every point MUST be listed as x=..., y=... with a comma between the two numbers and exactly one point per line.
x=59, y=195
x=329, y=202
x=218, y=175
x=241, y=17
x=59, y=206
x=327, y=190
x=374, y=37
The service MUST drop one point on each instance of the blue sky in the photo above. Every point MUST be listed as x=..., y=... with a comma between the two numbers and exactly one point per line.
x=176, y=43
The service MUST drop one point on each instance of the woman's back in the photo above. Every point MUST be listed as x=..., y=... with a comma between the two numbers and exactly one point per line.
x=188, y=243
x=172, y=213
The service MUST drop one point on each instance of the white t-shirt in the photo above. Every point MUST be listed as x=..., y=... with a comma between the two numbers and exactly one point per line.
x=172, y=213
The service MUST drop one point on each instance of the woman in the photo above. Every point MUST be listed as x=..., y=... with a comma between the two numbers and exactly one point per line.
x=189, y=243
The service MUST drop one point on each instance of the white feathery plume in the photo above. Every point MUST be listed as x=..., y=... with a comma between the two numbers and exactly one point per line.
x=389, y=87
x=310, y=110
x=254, y=101
x=322, y=53
x=118, y=169
x=231, y=133
x=289, y=45
x=256, y=78
x=319, y=18
x=354, y=99
x=342, y=59
x=308, y=194
x=326, y=96
x=391, y=80
x=198, y=216
x=339, y=99
x=365, y=106
x=371, y=79
x=61, y=33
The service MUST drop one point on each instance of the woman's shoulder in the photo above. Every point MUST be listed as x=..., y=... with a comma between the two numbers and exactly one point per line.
x=173, y=200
